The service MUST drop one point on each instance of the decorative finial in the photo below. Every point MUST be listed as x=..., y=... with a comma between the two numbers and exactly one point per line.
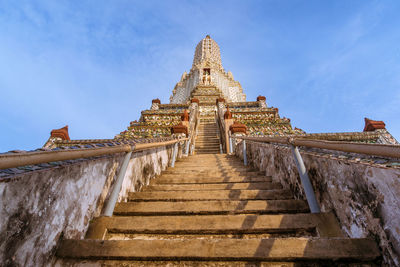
x=60, y=133
x=371, y=125
x=208, y=36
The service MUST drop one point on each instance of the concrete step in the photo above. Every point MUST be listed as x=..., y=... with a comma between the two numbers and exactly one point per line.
x=208, y=142
x=218, y=263
x=214, y=150
x=362, y=249
x=185, y=164
x=173, y=179
x=235, y=194
x=209, y=161
x=208, y=207
x=223, y=156
x=212, y=168
x=217, y=158
x=220, y=186
x=324, y=224
x=208, y=132
x=209, y=151
x=209, y=173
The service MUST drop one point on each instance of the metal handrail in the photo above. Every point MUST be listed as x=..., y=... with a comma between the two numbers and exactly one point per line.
x=383, y=150
x=29, y=158
x=294, y=143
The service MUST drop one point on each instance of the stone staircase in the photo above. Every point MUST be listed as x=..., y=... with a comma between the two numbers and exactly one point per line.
x=210, y=210
x=207, y=141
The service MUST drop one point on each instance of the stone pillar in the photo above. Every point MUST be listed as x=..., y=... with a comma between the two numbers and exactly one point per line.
x=220, y=103
x=185, y=118
x=228, y=122
x=262, y=101
x=155, y=104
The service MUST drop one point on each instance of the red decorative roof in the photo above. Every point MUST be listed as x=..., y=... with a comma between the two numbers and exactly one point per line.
x=158, y=101
x=179, y=129
x=238, y=128
x=60, y=133
x=261, y=98
x=371, y=125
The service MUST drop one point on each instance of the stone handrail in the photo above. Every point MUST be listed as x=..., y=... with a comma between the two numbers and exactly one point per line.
x=383, y=150
x=221, y=123
x=193, y=122
x=11, y=160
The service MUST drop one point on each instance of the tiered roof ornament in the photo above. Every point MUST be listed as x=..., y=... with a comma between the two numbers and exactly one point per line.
x=207, y=71
x=207, y=54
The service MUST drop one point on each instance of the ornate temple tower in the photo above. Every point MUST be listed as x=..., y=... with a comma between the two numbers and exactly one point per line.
x=216, y=95
x=207, y=72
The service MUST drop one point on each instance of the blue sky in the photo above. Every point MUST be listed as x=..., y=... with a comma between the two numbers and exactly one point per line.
x=94, y=65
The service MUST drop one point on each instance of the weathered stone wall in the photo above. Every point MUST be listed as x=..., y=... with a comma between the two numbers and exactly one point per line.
x=365, y=196
x=38, y=208
x=142, y=167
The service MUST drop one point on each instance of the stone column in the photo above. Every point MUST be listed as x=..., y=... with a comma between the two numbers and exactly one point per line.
x=228, y=122
x=262, y=101
x=155, y=104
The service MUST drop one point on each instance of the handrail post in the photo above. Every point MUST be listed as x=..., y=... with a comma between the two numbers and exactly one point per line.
x=230, y=145
x=109, y=209
x=174, y=152
x=244, y=153
x=305, y=181
x=187, y=147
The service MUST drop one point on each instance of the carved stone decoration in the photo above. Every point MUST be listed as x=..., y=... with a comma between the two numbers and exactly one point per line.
x=60, y=133
x=220, y=99
x=238, y=128
x=155, y=104
x=261, y=98
x=371, y=125
x=178, y=129
x=228, y=114
x=207, y=70
x=185, y=115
